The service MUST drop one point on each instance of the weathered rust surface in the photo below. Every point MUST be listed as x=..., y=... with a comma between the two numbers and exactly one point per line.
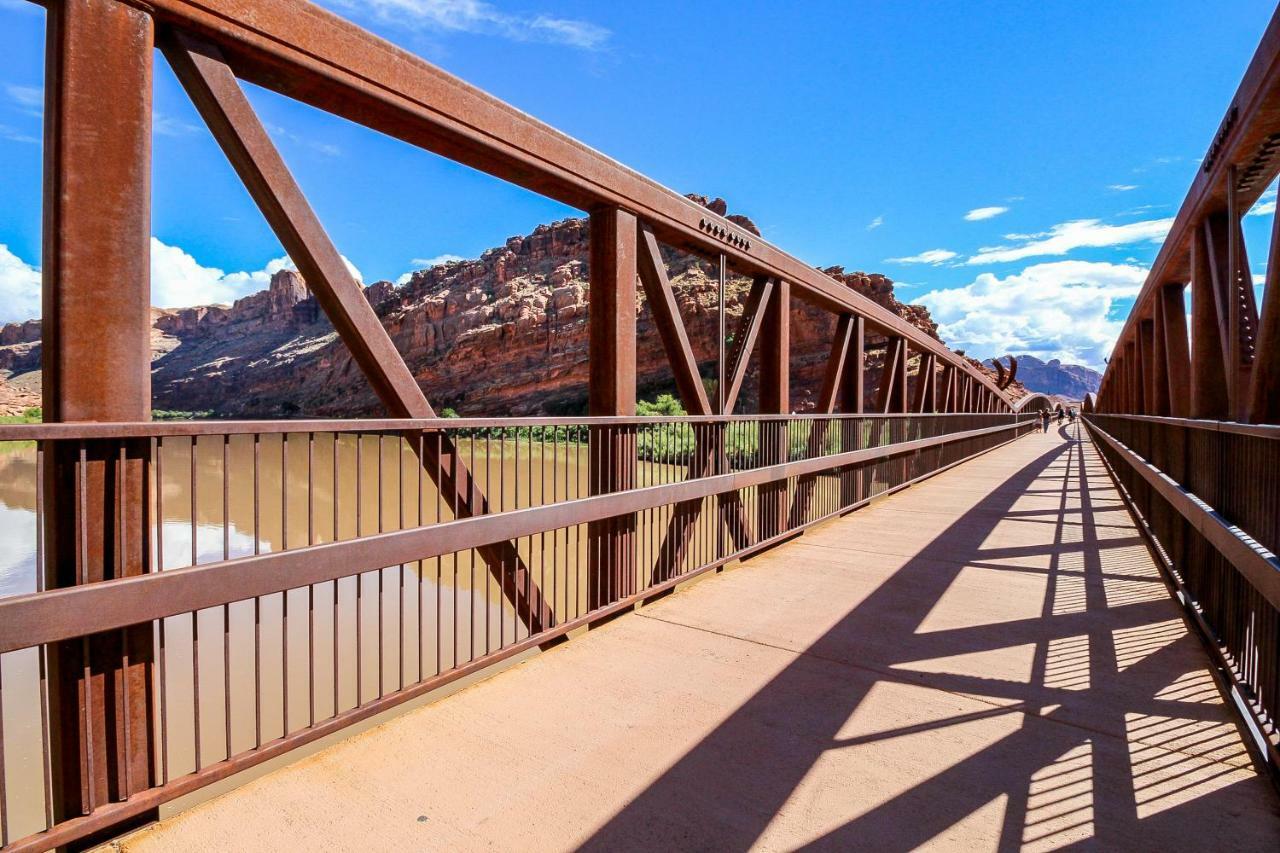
x=612, y=391
x=96, y=363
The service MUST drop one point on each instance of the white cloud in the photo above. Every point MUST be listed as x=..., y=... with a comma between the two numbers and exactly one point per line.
x=167, y=125
x=14, y=135
x=1068, y=236
x=1263, y=208
x=932, y=256
x=1122, y=188
x=427, y=263
x=476, y=16
x=178, y=280
x=19, y=288
x=1059, y=309
x=30, y=98
x=875, y=223
x=980, y=213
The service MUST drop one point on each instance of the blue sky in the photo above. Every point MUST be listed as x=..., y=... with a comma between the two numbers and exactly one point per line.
x=1012, y=165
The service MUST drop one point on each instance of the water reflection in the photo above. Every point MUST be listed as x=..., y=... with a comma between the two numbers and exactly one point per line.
x=238, y=675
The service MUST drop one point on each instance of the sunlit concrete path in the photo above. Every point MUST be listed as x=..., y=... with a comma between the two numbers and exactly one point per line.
x=988, y=660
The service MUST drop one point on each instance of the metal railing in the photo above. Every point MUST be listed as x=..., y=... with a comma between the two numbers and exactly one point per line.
x=306, y=575
x=1208, y=492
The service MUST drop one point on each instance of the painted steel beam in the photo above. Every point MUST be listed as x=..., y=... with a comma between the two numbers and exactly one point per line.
x=611, y=390
x=1264, y=394
x=671, y=328
x=745, y=339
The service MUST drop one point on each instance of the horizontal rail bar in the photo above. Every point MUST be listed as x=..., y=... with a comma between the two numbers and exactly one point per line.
x=1255, y=563
x=45, y=617
x=1254, y=430
x=71, y=431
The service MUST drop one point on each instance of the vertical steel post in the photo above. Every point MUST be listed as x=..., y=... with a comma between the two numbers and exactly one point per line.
x=1173, y=317
x=775, y=398
x=96, y=361
x=611, y=390
x=1146, y=362
x=1159, y=374
x=1209, y=397
x=852, y=396
x=720, y=342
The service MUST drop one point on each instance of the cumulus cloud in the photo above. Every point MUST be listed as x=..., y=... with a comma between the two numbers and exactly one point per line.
x=1059, y=309
x=476, y=16
x=1069, y=236
x=932, y=256
x=19, y=288
x=177, y=281
x=30, y=98
x=1266, y=204
x=980, y=213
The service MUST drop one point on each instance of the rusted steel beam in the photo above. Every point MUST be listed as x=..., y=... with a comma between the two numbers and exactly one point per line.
x=1242, y=318
x=611, y=390
x=96, y=360
x=892, y=396
x=1146, y=358
x=775, y=398
x=1208, y=346
x=304, y=52
x=671, y=328
x=1159, y=374
x=222, y=104
x=745, y=338
x=1173, y=318
x=828, y=397
x=837, y=364
x=708, y=452
x=926, y=396
x=1264, y=394
x=854, y=378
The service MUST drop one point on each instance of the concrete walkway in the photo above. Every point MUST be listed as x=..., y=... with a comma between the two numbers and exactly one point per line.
x=986, y=661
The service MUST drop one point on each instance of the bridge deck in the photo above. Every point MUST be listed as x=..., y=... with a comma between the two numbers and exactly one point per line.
x=987, y=659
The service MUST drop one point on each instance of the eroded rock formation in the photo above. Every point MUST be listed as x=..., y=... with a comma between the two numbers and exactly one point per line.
x=503, y=334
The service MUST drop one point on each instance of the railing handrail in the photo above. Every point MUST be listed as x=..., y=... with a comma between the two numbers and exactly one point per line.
x=59, y=614
x=1269, y=431
x=70, y=431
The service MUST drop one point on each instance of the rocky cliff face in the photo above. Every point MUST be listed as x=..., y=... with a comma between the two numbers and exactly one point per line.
x=1071, y=381
x=504, y=334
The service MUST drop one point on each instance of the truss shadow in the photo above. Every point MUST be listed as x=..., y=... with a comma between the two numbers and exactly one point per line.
x=1092, y=723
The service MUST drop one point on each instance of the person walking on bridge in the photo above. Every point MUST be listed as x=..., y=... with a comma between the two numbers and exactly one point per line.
x=1044, y=420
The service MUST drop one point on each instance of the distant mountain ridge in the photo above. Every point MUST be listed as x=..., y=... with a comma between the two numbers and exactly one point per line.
x=1055, y=378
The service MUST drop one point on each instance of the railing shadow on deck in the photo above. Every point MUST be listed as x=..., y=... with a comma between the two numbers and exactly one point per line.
x=1089, y=764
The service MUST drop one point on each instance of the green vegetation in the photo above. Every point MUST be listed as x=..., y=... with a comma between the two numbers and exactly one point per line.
x=32, y=415
x=178, y=415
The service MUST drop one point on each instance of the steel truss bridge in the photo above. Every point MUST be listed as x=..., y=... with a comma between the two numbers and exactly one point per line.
x=355, y=608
